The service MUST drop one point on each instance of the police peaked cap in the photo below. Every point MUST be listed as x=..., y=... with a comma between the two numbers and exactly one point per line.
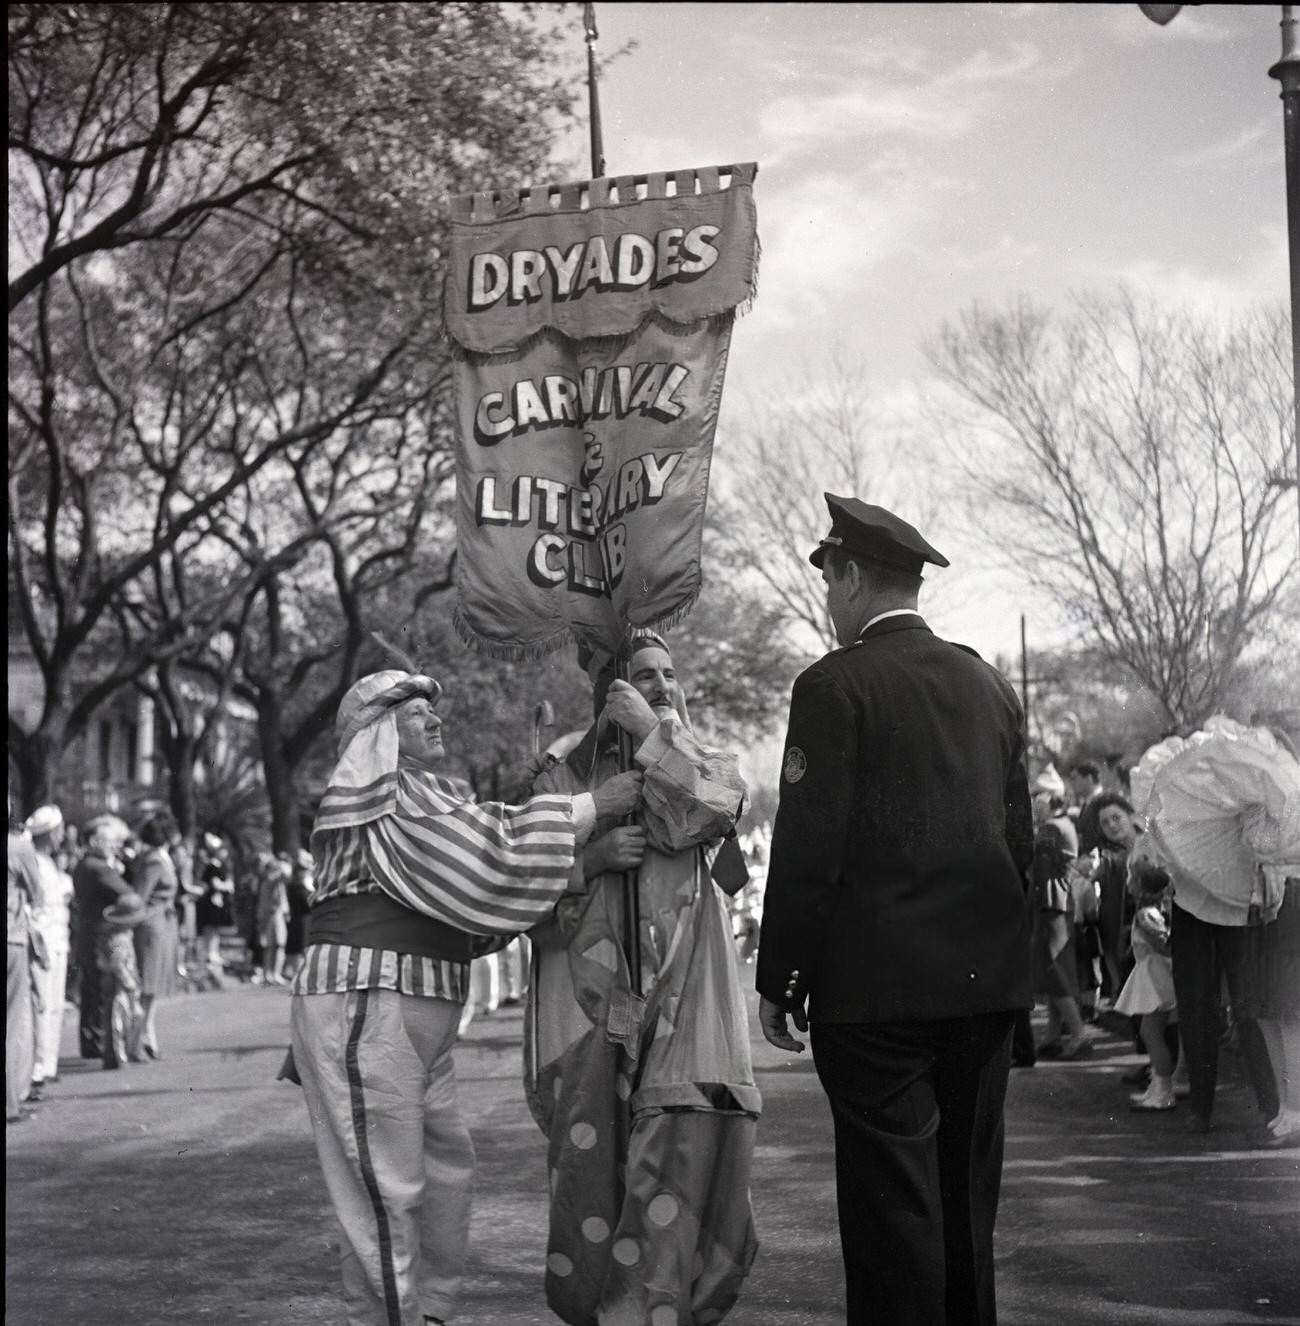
x=872, y=532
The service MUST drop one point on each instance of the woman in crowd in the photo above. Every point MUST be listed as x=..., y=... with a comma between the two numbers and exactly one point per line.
x=214, y=910
x=1270, y=989
x=1272, y=998
x=52, y=916
x=1119, y=831
x=156, y=935
x=272, y=918
x=1056, y=965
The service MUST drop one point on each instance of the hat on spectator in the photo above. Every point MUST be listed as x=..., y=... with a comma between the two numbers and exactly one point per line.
x=129, y=909
x=44, y=819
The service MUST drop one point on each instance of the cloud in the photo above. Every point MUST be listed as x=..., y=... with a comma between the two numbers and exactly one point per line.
x=824, y=234
x=1129, y=26
x=1006, y=253
x=904, y=92
x=1259, y=275
x=1253, y=141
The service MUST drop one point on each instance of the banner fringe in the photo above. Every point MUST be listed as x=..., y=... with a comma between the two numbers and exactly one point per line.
x=746, y=305
x=506, y=652
x=564, y=637
x=669, y=620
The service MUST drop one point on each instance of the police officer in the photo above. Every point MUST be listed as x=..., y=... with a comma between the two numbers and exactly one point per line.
x=895, y=922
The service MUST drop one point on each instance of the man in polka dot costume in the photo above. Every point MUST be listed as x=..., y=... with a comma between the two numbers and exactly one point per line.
x=649, y=1104
x=410, y=874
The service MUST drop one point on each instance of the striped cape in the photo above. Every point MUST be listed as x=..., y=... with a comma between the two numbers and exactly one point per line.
x=485, y=869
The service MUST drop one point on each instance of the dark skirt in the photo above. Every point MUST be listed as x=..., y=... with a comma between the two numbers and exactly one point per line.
x=1269, y=981
x=1055, y=960
x=156, y=951
x=214, y=911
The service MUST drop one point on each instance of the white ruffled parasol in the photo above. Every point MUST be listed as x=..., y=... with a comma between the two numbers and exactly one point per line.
x=1224, y=807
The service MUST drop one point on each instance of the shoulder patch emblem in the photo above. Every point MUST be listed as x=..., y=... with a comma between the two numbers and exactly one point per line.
x=796, y=764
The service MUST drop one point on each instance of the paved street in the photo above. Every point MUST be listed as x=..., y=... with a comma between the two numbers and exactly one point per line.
x=186, y=1192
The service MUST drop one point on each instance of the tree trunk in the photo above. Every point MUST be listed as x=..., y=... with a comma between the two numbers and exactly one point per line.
x=181, y=762
x=37, y=757
x=279, y=771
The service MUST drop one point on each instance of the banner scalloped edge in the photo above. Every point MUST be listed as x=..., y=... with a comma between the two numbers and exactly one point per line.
x=602, y=344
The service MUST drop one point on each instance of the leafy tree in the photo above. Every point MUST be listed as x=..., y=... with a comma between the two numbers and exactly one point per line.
x=1131, y=460
x=226, y=249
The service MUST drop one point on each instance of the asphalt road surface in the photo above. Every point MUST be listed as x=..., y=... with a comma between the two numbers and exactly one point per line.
x=186, y=1191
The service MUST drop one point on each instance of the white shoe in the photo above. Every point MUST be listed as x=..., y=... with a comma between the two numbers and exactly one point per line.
x=1287, y=1121
x=1158, y=1096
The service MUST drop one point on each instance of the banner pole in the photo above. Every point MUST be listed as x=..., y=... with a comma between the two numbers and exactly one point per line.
x=631, y=891
x=593, y=98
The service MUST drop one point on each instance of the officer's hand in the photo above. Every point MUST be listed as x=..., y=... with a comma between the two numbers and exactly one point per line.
x=620, y=849
x=627, y=707
x=618, y=795
x=771, y=1018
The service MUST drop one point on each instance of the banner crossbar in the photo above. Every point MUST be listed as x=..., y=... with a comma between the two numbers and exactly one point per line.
x=607, y=191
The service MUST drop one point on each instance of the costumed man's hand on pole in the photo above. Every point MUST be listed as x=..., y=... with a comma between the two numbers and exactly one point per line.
x=618, y=795
x=627, y=707
x=772, y=1018
x=619, y=850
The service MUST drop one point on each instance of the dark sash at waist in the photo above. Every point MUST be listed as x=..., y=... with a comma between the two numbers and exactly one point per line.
x=374, y=920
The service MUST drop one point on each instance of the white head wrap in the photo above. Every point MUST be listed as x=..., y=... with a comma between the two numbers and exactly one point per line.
x=363, y=785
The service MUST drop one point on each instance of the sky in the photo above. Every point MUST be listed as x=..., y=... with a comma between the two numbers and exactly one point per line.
x=916, y=158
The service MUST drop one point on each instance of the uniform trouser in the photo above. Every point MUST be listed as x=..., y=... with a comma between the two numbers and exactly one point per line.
x=396, y=1156
x=18, y=1028
x=90, y=1031
x=918, y=1164
x=51, y=985
x=1203, y=956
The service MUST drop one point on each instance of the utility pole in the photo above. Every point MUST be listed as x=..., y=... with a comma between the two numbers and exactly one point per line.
x=593, y=97
x=1287, y=72
x=1024, y=672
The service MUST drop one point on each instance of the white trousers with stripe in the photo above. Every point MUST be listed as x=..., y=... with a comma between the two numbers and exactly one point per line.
x=397, y=1158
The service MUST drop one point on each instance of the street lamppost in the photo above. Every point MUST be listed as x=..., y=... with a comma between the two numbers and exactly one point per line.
x=1287, y=72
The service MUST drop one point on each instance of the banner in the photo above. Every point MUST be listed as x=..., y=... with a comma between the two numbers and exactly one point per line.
x=590, y=325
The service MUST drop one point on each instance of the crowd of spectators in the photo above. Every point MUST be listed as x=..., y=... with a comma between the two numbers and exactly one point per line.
x=106, y=919
x=111, y=919
x=1162, y=952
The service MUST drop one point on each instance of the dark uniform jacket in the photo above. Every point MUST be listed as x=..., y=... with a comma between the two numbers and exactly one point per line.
x=897, y=882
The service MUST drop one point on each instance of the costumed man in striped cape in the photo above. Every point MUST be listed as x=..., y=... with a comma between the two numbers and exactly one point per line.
x=410, y=874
